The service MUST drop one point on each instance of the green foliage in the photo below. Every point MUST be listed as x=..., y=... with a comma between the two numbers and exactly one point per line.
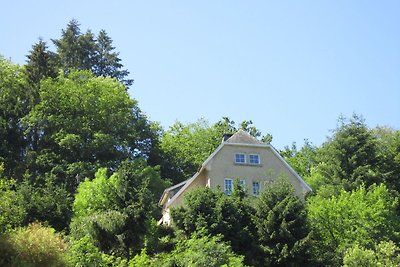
x=41, y=64
x=82, y=51
x=84, y=122
x=301, y=160
x=12, y=210
x=14, y=104
x=184, y=147
x=385, y=254
x=389, y=156
x=282, y=228
x=84, y=253
x=115, y=210
x=361, y=217
x=350, y=157
x=34, y=245
x=48, y=203
x=212, y=212
x=205, y=251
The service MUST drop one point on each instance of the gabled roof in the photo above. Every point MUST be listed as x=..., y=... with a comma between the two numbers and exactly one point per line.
x=241, y=137
x=172, y=188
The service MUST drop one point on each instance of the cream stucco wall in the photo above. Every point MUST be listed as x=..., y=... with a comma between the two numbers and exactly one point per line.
x=272, y=167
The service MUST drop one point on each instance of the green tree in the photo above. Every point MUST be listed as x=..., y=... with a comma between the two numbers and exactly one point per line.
x=350, y=157
x=14, y=103
x=184, y=147
x=282, y=228
x=83, y=123
x=215, y=213
x=41, y=64
x=34, y=245
x=82, y=51
x=389, y=156
x=385, y=254
x=48, y=203
x=115, y=211
x=199, y=251
x=12, y=209
x=108, y=63
x=363, y=216
x=301, y=160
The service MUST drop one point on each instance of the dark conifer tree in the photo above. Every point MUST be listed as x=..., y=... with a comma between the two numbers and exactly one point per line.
x=108, y=63
x=283, y=232
x=41, y=64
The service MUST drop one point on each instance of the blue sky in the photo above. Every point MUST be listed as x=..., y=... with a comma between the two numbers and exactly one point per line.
x=292, y=67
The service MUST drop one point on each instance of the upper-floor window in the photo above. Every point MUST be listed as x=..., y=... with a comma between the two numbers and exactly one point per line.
x=228, y=186
x=254, y=159
x=256, y=188
x=240, y=158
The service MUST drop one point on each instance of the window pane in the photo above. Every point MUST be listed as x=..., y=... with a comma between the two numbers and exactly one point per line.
x=240, y=158
x=254, y=159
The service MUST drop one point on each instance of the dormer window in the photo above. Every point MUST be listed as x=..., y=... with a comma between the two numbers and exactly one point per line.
x=254, y=159
x=240, y=158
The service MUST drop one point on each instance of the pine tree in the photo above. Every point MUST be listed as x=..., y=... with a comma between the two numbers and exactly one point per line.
x=41, y=64
x=282, y=227
x=108, y=63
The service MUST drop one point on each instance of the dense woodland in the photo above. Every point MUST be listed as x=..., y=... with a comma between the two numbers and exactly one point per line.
x=82, y=169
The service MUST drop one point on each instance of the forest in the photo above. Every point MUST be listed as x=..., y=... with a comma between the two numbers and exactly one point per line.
x=82, y=169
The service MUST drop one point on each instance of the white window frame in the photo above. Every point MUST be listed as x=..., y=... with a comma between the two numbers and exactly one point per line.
x=228, y=186
x=254, y=163
x=236, y=158
x=256, y=193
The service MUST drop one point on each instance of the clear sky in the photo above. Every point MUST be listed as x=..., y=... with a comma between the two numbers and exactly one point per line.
x=292, y=67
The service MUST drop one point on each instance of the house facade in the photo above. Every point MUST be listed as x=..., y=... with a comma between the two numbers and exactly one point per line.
x=240, y=156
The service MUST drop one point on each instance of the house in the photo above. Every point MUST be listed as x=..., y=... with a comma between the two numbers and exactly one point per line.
x=240, y=156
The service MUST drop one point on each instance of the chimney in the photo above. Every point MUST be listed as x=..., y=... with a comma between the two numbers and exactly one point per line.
x=226, y=136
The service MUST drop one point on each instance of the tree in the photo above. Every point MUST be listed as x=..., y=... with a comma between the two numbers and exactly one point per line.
x=301, y=160
x=184, y=147
x=388, y=156
x=12, y=210
x=363, y=217
x=205, y=251
x=115, y=211
x=282, y=228
x=14, y=103
x=348, y=159
x=83, y=123
x=108, y=63
x=215, y=213
x=385, y=254
x=41, y=64
x=78, y=51
x=34, y=245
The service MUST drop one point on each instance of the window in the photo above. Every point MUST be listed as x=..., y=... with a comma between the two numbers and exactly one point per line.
x=256, y=188
x=228, y=186
x=240, y=158
x=254, y=159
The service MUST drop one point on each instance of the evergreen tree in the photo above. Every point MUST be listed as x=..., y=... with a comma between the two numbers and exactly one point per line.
x=107, y=62
x=282, y=228
x=41, y=64
x=69, y=49
x=82, y=51
x=215, y=213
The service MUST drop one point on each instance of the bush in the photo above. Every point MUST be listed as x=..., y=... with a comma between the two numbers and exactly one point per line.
x=34, y=245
